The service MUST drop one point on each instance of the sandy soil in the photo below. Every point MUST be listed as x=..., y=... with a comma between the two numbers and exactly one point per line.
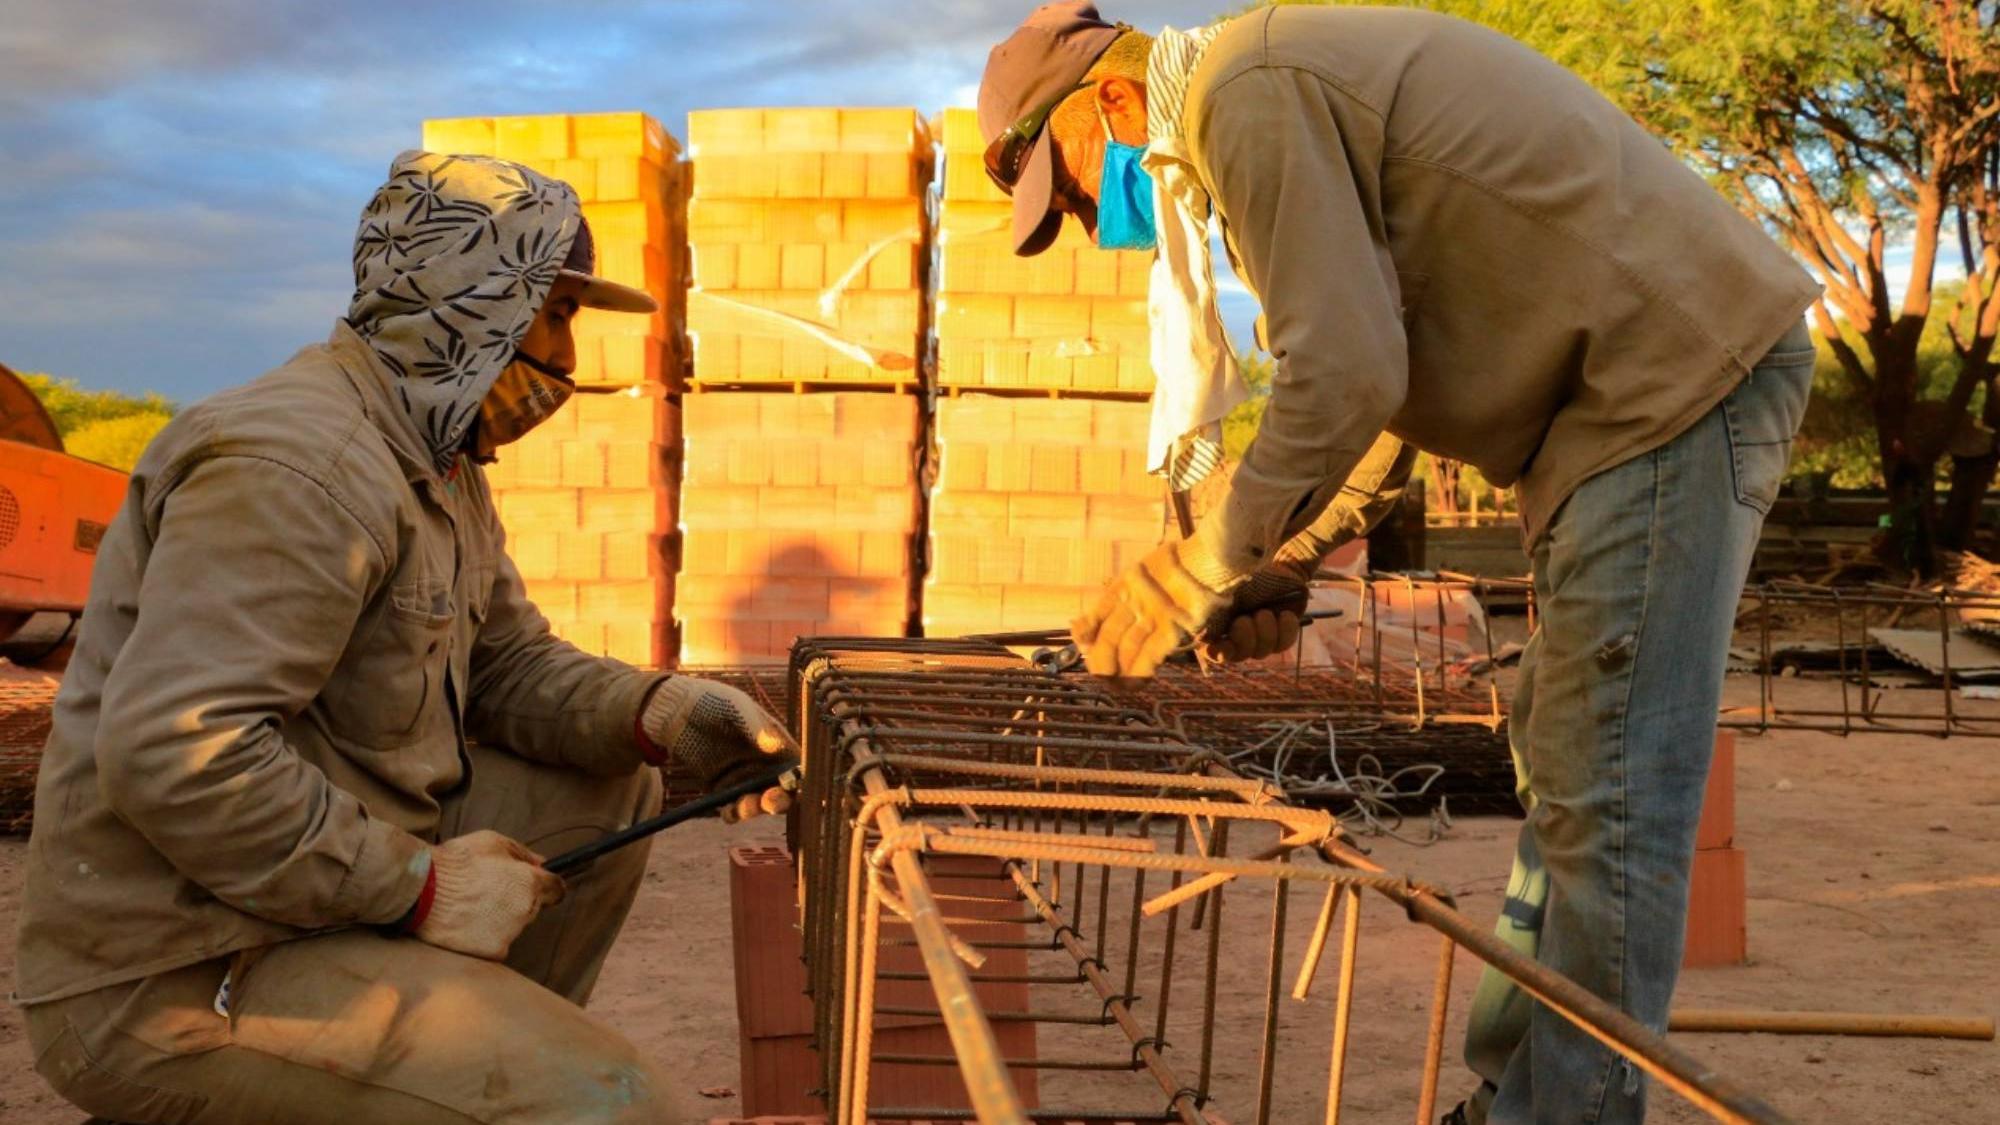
x=1874, y=886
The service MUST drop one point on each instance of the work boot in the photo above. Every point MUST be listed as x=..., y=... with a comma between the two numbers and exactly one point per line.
x=1473, y=1110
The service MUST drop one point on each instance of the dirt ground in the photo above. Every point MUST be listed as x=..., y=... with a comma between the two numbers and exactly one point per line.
x=1874, y=886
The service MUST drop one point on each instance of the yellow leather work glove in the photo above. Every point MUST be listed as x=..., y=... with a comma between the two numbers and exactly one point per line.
x=1146, y=613
x=486, y=890
x=722, y=735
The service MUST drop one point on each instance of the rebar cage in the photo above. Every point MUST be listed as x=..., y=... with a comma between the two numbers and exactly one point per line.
x=1058, y=861
x=1837, y=632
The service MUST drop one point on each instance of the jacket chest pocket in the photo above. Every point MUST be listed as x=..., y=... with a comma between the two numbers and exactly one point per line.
x=389, y=688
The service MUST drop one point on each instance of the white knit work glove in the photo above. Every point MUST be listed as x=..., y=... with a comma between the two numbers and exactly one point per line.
x=488, y=888
x=722, y=735
x=1144, y=614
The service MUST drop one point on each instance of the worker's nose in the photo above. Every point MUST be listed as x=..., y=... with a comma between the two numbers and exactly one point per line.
x=562, y=355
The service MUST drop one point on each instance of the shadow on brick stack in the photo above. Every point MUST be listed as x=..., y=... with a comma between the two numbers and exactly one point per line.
x=1043, y=377
x=587, y=498
x=808, y=234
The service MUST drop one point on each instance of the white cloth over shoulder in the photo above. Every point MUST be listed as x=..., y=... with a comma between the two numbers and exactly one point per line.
x=1196, y=378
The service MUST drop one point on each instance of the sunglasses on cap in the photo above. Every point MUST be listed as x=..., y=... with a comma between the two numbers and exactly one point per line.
x=1008, y=153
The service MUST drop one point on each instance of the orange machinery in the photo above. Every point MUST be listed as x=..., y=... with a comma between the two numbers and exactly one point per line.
x=53, y=510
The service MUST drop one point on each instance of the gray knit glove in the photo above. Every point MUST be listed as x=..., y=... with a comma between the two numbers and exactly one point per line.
x=1265, y=611
x=720, y=733
x=1262, y=618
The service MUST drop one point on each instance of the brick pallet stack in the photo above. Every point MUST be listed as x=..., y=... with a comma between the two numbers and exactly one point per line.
x=1038, y=502
x=588, y=497
x=1043, y=370
x=808, y=236
x=1072, y=318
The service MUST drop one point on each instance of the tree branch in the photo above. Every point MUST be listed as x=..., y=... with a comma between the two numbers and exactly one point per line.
x=1923, y=254
x=1850, y=360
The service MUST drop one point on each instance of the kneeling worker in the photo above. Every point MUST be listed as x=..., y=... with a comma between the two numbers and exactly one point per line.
x=1458, y=247
x=285, y=857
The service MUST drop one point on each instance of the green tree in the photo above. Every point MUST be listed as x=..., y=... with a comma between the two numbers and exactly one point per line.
x=1836, y=443
x=1241, y=424
x=1843, y=126
x=103, y=426
x=117, y=442
x=73, y=408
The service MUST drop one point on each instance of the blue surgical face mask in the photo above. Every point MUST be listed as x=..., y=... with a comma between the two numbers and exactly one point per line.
x=1124, y=197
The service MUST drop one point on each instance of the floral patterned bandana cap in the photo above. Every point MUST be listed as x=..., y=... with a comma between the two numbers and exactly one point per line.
x=453, y=259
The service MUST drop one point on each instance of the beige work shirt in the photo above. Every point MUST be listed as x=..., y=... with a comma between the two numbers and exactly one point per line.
x=294, y=625
x=1458, y=242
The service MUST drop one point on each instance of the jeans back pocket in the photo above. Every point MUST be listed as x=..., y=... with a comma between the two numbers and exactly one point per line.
x=1763, y=413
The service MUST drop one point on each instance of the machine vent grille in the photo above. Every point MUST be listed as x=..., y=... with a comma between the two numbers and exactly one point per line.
x=10, y=517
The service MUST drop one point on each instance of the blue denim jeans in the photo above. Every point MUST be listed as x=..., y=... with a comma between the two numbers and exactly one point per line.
x=1637, y=583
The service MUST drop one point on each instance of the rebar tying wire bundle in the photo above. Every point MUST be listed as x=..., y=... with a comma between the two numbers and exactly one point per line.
x=1327, y=737
x=1372, y=797
x=928, y=763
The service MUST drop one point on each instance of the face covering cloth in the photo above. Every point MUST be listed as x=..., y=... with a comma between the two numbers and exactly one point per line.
x=1124, y=197
x=523, y=397
x=453, y=259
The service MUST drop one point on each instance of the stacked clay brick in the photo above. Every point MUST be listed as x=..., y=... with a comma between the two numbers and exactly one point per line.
x=587, y=497
x=1072, y=318
x=1038, y=500
x=807, y=232
x=1037, y=503
x=797, y=513
x=808, y=239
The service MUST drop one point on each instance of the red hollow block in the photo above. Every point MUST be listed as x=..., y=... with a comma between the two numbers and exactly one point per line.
x=1718, y=802
x=776, y=1073
x=1718, y=924
x=778, y=1061
x=770, y=975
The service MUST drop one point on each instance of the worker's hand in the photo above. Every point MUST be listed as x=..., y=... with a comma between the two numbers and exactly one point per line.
x=1145, y=613
x=488, y=889
x=1262, y=618
x=722, y=735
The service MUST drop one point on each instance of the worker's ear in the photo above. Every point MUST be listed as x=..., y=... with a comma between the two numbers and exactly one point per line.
x=1124, y=104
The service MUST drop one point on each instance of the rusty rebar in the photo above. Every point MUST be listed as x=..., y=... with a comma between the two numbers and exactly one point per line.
x=875, y=821
x=1434, y=1038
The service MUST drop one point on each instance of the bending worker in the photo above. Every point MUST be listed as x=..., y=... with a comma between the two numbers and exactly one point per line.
x=273, y=876
x=1458, y=247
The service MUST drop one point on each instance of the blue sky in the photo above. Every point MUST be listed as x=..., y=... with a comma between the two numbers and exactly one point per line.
x=181, y=177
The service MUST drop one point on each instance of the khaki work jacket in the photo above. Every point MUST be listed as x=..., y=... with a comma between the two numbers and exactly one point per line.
x=1458, y=242
x=293, y=627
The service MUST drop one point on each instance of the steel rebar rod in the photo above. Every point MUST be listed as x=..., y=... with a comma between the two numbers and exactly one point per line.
x=1267, y=1059
x=1434, y=1037
x=986, y=1082
x=1343, y=1002
x=1182, y=1102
